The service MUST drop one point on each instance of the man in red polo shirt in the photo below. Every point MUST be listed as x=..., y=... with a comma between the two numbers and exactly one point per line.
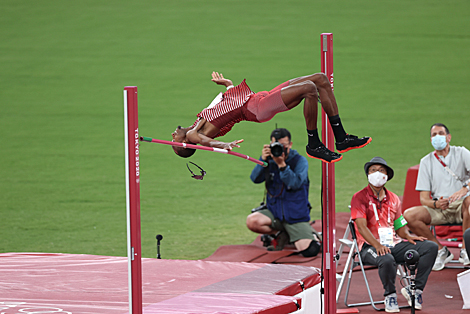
x=383, y=238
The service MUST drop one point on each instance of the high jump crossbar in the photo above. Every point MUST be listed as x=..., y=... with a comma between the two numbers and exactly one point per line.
x=211, y=149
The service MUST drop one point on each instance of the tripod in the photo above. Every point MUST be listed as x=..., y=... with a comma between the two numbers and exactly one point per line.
x=411, y=262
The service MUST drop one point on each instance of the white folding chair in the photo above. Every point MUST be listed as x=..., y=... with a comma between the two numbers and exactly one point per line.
x=354, y=260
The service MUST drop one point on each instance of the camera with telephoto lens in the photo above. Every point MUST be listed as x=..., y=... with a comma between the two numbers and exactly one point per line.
x=277, y=149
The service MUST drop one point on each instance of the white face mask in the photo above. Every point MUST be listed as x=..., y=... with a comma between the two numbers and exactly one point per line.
x=377, y=179
x=439, y=142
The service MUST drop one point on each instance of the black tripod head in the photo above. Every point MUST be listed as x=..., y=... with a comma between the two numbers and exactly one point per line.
x=411, y=259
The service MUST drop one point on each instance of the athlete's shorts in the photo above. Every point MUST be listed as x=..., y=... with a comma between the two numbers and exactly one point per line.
x=451, y=215
x=296, y=231
x=265, y=105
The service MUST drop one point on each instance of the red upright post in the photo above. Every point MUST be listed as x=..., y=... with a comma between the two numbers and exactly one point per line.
x=131, y=135
x=328, y=187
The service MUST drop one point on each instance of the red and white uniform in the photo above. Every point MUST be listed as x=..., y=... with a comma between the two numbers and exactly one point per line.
x=240, y=103
x=388, y=210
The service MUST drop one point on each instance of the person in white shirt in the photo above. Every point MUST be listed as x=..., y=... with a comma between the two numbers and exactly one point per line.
x=443, y=179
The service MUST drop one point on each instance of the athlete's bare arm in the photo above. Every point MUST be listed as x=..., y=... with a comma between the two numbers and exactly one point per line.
x=198, y=138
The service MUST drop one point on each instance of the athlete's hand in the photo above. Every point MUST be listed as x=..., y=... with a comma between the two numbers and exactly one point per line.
x=220, y=80
x=229, y=146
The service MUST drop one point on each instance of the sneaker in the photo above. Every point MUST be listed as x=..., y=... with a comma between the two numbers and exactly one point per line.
x=352, y=142
x=418, y=297
x=443, y=257
x=391, y=304
x=463, y=258
x=266, y=239
x=279, y=242
x=324, y=154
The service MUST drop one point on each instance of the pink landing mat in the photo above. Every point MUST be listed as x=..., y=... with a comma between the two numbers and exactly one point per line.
x=75, y=283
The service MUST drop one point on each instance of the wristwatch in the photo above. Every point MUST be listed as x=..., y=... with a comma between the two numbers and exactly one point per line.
x=466, y=186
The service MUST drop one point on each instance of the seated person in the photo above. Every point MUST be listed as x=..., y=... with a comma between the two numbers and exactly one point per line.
x=445, y=174
x=288, y=208
x=381, y=231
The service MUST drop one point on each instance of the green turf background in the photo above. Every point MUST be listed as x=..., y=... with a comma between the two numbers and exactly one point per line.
x=399, y=67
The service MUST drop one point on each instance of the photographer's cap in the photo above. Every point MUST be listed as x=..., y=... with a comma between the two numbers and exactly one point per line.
x=280, y=133
x=379, y=161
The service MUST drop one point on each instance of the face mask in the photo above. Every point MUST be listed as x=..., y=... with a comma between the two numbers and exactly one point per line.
x=377, y=179
x=439, y=142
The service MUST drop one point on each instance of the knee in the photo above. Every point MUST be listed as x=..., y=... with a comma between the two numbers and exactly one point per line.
x=253, y=222
x=321, y=80
x=312, y=250
x=387, y=261
x=411, y=215
x=433, y=248
x=428, y=250
x=408, y=216
x=309, y=89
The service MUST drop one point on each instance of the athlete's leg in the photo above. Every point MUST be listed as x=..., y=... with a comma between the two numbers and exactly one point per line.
x=327, y=98
x=305, y=89
x=293, y=94
x=309, y=88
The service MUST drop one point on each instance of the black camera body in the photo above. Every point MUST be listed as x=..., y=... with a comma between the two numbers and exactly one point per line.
x=260, y=207
x=277, y=149
x=411, y=257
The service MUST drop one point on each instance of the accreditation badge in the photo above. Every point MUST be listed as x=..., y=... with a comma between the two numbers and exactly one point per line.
x=386, y=237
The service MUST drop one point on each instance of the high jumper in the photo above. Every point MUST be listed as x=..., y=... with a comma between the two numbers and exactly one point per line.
x=240, y=103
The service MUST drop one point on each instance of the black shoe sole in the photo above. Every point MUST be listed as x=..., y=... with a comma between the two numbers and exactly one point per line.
x=328, y=162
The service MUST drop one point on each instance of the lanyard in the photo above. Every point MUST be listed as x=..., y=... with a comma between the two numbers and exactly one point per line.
x=377, y=215
x=447, y=168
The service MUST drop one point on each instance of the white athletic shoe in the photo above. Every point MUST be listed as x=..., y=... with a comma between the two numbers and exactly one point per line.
x=418, y=297
x=463, y=258
x=443, y=257
x=391, y=304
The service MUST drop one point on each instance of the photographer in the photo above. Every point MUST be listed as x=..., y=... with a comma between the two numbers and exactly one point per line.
x=287, y=206
x=381, y=229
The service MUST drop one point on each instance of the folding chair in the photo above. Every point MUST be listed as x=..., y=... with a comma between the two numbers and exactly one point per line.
x=351, y=263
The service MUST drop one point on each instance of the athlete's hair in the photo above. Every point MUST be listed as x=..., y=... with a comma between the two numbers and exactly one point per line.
x=439, y=124
x=184, y=152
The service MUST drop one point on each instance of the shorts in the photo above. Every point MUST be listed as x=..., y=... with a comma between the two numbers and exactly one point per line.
x=265, y=105
x=451, y=215
x=296, y=231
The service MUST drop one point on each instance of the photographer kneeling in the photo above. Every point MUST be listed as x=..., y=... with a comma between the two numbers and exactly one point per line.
x=287, y=206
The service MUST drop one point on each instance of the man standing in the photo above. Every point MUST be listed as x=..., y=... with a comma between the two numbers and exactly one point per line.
x=443, y=179
x=287, y=184
x=377, y=214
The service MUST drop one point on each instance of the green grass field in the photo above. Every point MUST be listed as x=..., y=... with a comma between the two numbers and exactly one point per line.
x=399, y=67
